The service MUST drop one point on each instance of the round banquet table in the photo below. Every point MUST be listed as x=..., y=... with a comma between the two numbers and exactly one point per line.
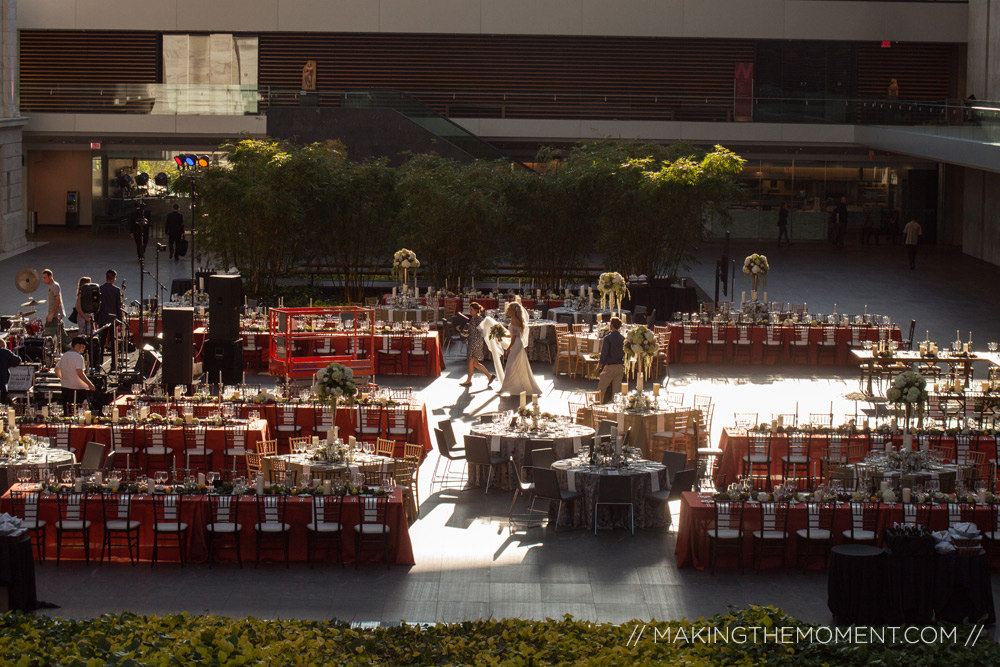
x=568, y=439
x=577, y=474
x=644, y=424
x=38, y=459
x=586, y=316
x=418, y=314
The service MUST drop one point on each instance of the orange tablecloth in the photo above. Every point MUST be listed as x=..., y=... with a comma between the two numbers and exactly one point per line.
x=696, y=518
x=215, y=439
x=701, y=350
x=195, y=512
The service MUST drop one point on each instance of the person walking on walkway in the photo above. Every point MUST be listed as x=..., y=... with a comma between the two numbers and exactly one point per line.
x=911, y=236
x=175, y=232
x=783, y=224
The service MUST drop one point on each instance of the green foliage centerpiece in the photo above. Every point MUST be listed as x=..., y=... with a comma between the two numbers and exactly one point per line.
x=640, y=349
x=334, y=382
x=612, y=287
x=498, y=332
x=756, y=267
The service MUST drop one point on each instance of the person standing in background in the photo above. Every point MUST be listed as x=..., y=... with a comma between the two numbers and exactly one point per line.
x=138, y=227
x=611, y=367
x=54, y=318
x=841, y=226
x=911, y=236
x=783, y=224
x=111, y=306
x=175, y=232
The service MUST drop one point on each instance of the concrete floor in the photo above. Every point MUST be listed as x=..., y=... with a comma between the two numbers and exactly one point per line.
x=468, y=564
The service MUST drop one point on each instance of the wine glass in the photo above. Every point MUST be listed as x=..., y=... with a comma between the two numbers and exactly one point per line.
x=67, y=476
x=160, y=477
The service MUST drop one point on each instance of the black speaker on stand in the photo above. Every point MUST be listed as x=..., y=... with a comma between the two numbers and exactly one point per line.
x=178, y=346
x=225, y=294
x=223, y=360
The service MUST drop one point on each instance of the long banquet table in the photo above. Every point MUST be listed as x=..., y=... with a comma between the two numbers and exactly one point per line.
x=696, y=346
x=308, y=416
x=734, y=444
x=697, y=516
x=215, y=438
x=195, y=512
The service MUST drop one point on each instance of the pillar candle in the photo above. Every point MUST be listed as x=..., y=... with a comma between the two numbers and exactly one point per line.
x=331, y=436
x=45, y=411
x=99, y=478
x=88, y=417
x=188, y=417
x=394, y=291
x=352, y=441
x=326, y=487
x=177, y=393
x=201, y=479
x=260, y=485
x=781, y=420
x=523, y=398
x=624, y=387
x=114, y=415
x=315, y=441
x=534, y=399
x=656, y=389
x=11, y=417
x=906, y=494
x=774, y=426
x=78, y=485
x=884, y=486
x=336, y=433
x=538, y=294
x=982, y=497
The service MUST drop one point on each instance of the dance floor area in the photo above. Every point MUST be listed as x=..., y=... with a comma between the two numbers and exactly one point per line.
x=469, y=563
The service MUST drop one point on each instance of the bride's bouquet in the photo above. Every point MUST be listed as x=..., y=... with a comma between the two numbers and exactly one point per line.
x=498, y=332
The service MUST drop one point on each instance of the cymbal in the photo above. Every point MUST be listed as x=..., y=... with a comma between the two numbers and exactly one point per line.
x=31, y=302
x=27, y=281
x=26, y=313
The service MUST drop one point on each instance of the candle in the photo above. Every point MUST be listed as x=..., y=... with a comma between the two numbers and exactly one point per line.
x=201, y=479
x=834, y=309
x=394, y=291
x=114, y=415
x=907, y=442
x=99, y=478
x=774, y=426
x=866, y=309
x=656, y=389
x=351, y=441
x=331, y=437
x=45, y=411
x=523, y=398
x=143, y=412
x=818, y=496
x=78, y=485
x=884, y=486
x=534, y=399
x=982, y=497
x=177, y=393
x=958, y=335
x=538, y=293
x=326, y=487
x=906, y=494
x=336, y=433
x=781, y=420
x=315, y=441
x=11, y=417
x=583, y=292
x=970, y=339
x=188, y=417
x=88, y=417
x=260, y=485
x=614, y=433
x=624, y=387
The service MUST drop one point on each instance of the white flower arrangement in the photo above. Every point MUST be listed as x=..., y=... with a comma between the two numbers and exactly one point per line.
x=331, y=452
x=334, y=382
x=402, y=262
x=613, y=289
x=909, y=391
x=756, y=265
x=640, y=348
x=639, y=402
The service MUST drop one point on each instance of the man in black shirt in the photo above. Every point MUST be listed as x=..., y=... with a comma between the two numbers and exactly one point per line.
x=138, y=227
x=611, y=367
x=111, y=305
x=175, y=231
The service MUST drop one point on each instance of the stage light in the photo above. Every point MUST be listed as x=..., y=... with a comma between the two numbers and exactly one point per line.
x=124, y=181
x=203, y=161
x=189, y=160
x=161, y=179
x=179, y=159
x=142, y=180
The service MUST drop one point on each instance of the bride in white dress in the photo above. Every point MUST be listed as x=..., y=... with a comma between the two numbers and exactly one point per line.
x=517, y=376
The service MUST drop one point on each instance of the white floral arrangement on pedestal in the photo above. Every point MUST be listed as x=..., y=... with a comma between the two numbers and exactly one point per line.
x=640, y=349
x=756, y=267
x=402, y=262
x=333, y=383
x=613, y=289
x=909, y=391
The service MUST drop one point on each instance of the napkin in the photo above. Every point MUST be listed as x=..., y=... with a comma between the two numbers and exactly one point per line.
x=495, y=443
x=964, y=530
x=8, y=523
x=654, y=480
x=571, y=481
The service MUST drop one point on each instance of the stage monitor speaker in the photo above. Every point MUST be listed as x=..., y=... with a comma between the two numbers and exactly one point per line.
x=223, y=357
x=90, y=298
x=178, y=346
x=225, y=300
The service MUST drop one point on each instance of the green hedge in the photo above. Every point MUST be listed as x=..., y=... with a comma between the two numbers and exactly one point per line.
x=127, y=639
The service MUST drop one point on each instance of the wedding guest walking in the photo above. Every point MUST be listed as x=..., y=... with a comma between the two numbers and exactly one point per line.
x=475, y=347
x=911, y=236
x=611, y=367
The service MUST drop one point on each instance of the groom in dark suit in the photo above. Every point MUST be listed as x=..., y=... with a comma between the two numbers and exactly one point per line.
x=611, y=367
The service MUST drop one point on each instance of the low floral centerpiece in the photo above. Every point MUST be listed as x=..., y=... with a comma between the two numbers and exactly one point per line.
x=613, y=289
x=756, y=267
x=640, y=350
x=909, y=392
x=333, y=383
x=330, y=452
x=639, y=402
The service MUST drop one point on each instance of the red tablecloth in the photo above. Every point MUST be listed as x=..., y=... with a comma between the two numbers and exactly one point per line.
x=488, y=303
x=195, y=512
x=703, y=350
x=308, y=416
x=133, y=327
x=735, y=442
x=215, y=439
x=692, y=548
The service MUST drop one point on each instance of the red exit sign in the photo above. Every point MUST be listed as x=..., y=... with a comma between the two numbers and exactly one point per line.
x=886, y=45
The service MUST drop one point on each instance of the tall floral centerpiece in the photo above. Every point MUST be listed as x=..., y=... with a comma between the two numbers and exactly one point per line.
x=909, y=391
x=640, y=350
x=402, y=262
x=613, y=289
x=333, y=383
x=756, y=267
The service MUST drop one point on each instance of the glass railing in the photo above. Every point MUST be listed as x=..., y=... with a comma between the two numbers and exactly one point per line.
x=425, y=117
x=142, y=98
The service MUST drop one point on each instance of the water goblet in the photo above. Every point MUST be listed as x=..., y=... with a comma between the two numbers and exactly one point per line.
x=160, y=477
x=67, y=476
